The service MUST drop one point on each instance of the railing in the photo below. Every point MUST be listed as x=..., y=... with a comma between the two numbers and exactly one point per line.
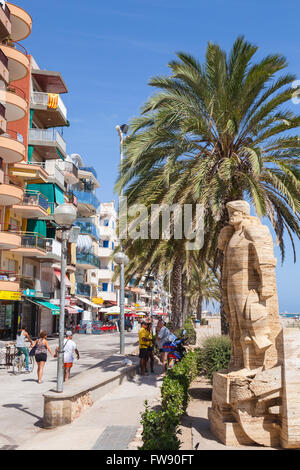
x=15, y=45
x=87, y=198
x=72, y=199
x=3, y=59
x=90, y=169
x=83, y=289
x=17, y=91
x=47, y=135
x=10, y=134
x=33, y=240
x=9, y=276
x=88, y=258
x=9, y=228
x=68, y=167
x=53, y=246
x=88, y=228
x=40, y=98
x=35, y=198
x=2, y=111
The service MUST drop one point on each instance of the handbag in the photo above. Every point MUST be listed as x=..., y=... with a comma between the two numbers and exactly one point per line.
x=32, y=351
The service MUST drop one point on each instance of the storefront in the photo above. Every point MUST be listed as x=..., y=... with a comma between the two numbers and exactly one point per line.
x=9, y=309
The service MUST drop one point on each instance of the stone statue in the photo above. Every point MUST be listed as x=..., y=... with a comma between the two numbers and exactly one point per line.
x=257, y=400
x=249, y=288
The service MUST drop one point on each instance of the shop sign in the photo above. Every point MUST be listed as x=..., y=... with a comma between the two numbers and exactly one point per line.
x=7, y=295
x=97, y=300
x=29, y=292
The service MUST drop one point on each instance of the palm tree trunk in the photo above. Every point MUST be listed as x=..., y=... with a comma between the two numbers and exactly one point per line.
x=199, y=306
x=176, y=303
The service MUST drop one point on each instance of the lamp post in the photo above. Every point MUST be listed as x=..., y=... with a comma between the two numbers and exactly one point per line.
x=151, y=284
x=122, y=260
x=122, y=131
x=64, y=216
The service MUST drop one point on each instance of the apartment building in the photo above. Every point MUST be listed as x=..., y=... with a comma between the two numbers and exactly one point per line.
x=34, y=175
x=107, y=289
x=88, y=244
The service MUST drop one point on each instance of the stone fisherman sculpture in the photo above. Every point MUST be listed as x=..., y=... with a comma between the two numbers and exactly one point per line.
x=249, y=289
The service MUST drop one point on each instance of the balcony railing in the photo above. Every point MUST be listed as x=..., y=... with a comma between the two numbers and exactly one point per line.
x=53, y=246
x=83, y=289
x=89, y=198
x=3, y=59
x=88, y=258
x=18, y=91
x=90, y=169
x=71, y=198
x=42, y=99
x=68, y=167
x=35, y=198
x=9, y=276
x=32, y=240
x=88, y=228
x=47, y=136
x=10, y=134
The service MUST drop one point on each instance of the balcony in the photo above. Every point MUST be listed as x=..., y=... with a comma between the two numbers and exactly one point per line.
x=48, y=143
x=5, y=24
x=87, y=260
x=10, y=193
x=53, y=249
x=105, y=274
x=70, y=198
x=48, y=115
x=12, y=147
x=112, y=296
x=16, y=105
x=105, y=252
x=87, y=200
x=56, y=175
x=9, y=281
x=17, y=61
x=87, y=228
x=70, y=172
x=107, y=232
x=33, y=171
x=4, y=74
x=83, y=289
x=9, y=237
x=32, y=244
x=34, y=206
x=21, y=22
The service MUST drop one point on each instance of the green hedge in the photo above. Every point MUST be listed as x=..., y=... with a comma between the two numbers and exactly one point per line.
x=214, y=355
x=160, y=428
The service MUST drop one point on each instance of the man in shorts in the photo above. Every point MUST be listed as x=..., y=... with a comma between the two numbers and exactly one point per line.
x=144, y=343
x=69, y=348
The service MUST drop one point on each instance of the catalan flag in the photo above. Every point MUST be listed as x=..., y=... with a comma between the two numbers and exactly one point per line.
x=52, y=100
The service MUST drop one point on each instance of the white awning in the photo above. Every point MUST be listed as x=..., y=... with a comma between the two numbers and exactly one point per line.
x=86, y=301
x=84, y=243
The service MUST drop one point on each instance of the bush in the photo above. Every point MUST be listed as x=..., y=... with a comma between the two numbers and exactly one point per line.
x=214, y=355
x=191, y=335
x=160, y=428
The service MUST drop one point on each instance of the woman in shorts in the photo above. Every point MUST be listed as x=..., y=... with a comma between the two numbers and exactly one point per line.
x=42, y=347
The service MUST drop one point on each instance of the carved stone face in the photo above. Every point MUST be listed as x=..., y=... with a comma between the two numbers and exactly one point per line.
x=235, y=217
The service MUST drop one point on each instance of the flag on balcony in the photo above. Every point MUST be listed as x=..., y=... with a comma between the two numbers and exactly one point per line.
x=52, y=100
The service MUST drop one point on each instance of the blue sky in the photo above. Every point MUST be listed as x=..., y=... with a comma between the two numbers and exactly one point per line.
x=107, y=51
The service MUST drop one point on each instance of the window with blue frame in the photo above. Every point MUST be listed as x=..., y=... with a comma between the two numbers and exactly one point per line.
x=104, y=286
x=105, y=244
x=112, y=245
x=106, y=222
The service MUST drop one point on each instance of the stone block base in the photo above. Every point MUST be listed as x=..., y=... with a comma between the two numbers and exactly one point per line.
x=229, y=433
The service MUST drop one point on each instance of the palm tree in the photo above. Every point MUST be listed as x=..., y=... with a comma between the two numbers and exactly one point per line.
x=218, y=132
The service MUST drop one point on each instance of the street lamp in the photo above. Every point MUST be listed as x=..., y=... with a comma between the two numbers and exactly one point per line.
x=122, y=260
x=64, y=216
x=122, y=131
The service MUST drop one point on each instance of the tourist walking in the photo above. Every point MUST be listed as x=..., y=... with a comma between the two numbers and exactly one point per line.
x=22, y=335
x=41, y=347
x=69, y=348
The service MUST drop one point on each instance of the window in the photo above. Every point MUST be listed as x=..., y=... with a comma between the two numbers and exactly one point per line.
x=106, y=223
x=104, y=286
x=105, y=244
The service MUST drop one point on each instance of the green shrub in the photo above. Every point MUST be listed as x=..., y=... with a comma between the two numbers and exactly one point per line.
x=160, y=428
x=214, y=355
x=191, y=336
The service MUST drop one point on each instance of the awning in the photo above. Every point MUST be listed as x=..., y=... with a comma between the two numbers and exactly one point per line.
x=87, y=302
x=55, y=310
x=84, y=243
x=58, y=275
x=72, y=311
